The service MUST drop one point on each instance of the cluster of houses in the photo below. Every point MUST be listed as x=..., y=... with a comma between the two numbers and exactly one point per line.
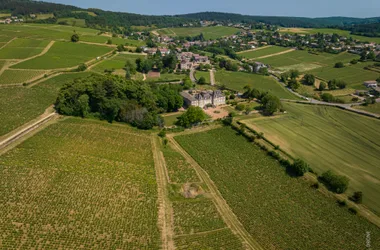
x=189, y=59
x=13, y=19
x=203, y=99
x=373, y=86
x=153, y=51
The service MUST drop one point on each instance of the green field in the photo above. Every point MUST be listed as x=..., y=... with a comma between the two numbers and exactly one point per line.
x=115, y=40
x=64, y=55
x=170, y=120
x=304, y=57
x=19, y=105
x=19, y=76
x=44, y=16
x=279, y=211
x=205, y=74
x=167, y=77
x=5, y=14
x=88, y=12
x=353, y=74
x=80, y=184
x=329, y=138
x=373, y=108
x=22, y=48
x=116, y=62
x=73, y=21
x=263, y=52
x=238, y=80
x=208, y=32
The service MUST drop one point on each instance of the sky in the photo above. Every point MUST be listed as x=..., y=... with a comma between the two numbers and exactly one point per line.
x=300, y=8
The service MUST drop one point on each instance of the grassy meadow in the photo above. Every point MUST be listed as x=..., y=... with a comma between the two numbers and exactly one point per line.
x=238, y=80
x=269, y=50
x=19, y=105
x=213, y=32
x=279, y=211
x=205, y=74
x=115, y=62
x=95, y=178
x=329, y=138
x=170, y=120
x=64, y=55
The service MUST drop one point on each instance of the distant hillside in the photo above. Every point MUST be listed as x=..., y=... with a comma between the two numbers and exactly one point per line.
x=371, y=30
x=25, y=7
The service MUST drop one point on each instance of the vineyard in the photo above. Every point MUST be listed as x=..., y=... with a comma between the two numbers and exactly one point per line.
x=80, y=184
x=20, y=76
x=22, y=48
x=64, y=55
x=19, y=105
x=279, y=211
x=263, y=51
x=116, y=62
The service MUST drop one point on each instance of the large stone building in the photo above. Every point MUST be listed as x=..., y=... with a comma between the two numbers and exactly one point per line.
x=203, y=98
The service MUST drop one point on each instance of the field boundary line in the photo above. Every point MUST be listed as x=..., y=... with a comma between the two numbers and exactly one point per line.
x=165, y=212
x=6, y=44
x=43, y=52
x=43, y=79
x=202, y=233
x=255, y=49
x=275, y=54
x=224, y=209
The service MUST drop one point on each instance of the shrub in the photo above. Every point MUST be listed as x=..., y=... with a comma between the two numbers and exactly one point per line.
x=357, y=197
x=299, y=167
x=353, y=210
x=75, y=38
x=315, y=185
x=162, y=134
x=339, y=65
x=327, y=97
x=82, y=67
x=354, y=61
x=322, y=86
x=342, y=203
x=240, y=107
x=165, y=141
x=336, y=183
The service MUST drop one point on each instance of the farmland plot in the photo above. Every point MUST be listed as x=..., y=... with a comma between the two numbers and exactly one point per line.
x=263, y=51
x=19, y=76
x=208, y=32
x=116, y=62
x=279, y=211
x=329, y=138
x=64, y=55
x=22, y=48
x=19, y=105
x=80, y=184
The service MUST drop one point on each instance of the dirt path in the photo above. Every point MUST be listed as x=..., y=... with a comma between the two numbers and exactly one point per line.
x=19, y=134
x=100, y=44
x=5, y=66
x=259, y=48
x=225, y=211
x=8, y=42
x=44, y=79
x=275, y=54
x=165, y=210
x=212, y=77
x=43, y=52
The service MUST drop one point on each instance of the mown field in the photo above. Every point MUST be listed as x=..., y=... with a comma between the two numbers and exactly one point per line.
x=238, y=80
x=270, y=50
x=22, y=48
x=19, y=105
x=373, y=108
x=170, y=120
x=116, y=62
x=197, y=223
x=208, y=32
x=304, y=57
x=167, y=77
x=205, y=74
x=329, y=138
x=64, y=55
x=352, y=74
x=279, y=211
x=80, y=184
x=19, y=76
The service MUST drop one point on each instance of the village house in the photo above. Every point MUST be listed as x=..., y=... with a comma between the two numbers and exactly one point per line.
x=203, y=99
x=258, y=66
x=185, y=65
x=370, y=84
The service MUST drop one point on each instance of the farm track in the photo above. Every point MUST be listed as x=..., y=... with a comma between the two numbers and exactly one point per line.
x=249, y=50
x=275, y=54
x=212, y=77
x=19, y=134
x=39, y=80
x=225, y=211
x=165, y=211
x=43, y=52
x=8, y=42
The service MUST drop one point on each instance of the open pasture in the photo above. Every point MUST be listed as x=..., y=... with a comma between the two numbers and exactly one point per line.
x=95, y=178
x=22, y=48
x=302, y=56
x=19, y=105
x=279, y=211
x=269, y=50
x=205, y=74
x=19, y=76
x=238, y=80
x=116, y=62
x=64, y=55
x=373, y=108
x=213, y=32
x=329, y=138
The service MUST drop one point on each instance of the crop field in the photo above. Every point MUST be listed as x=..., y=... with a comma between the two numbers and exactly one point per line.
x=44, y=16
x=115, y=40
x=263, y=51
x=179, y=170
x=80, y=184
x=302, y=56
x=354, y=74
x=208, y=32
x=238, y=80
x=279, y=211
x=19, y=105
x=329, y=138
x=22, y=48
x=64, y=55
x=73, y=22
x=205, y=74
x=19, y=76
x=116, y=62
x=5, y=14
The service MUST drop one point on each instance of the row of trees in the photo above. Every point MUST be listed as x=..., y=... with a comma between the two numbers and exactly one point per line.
x=113, y=98
x=270, y=103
